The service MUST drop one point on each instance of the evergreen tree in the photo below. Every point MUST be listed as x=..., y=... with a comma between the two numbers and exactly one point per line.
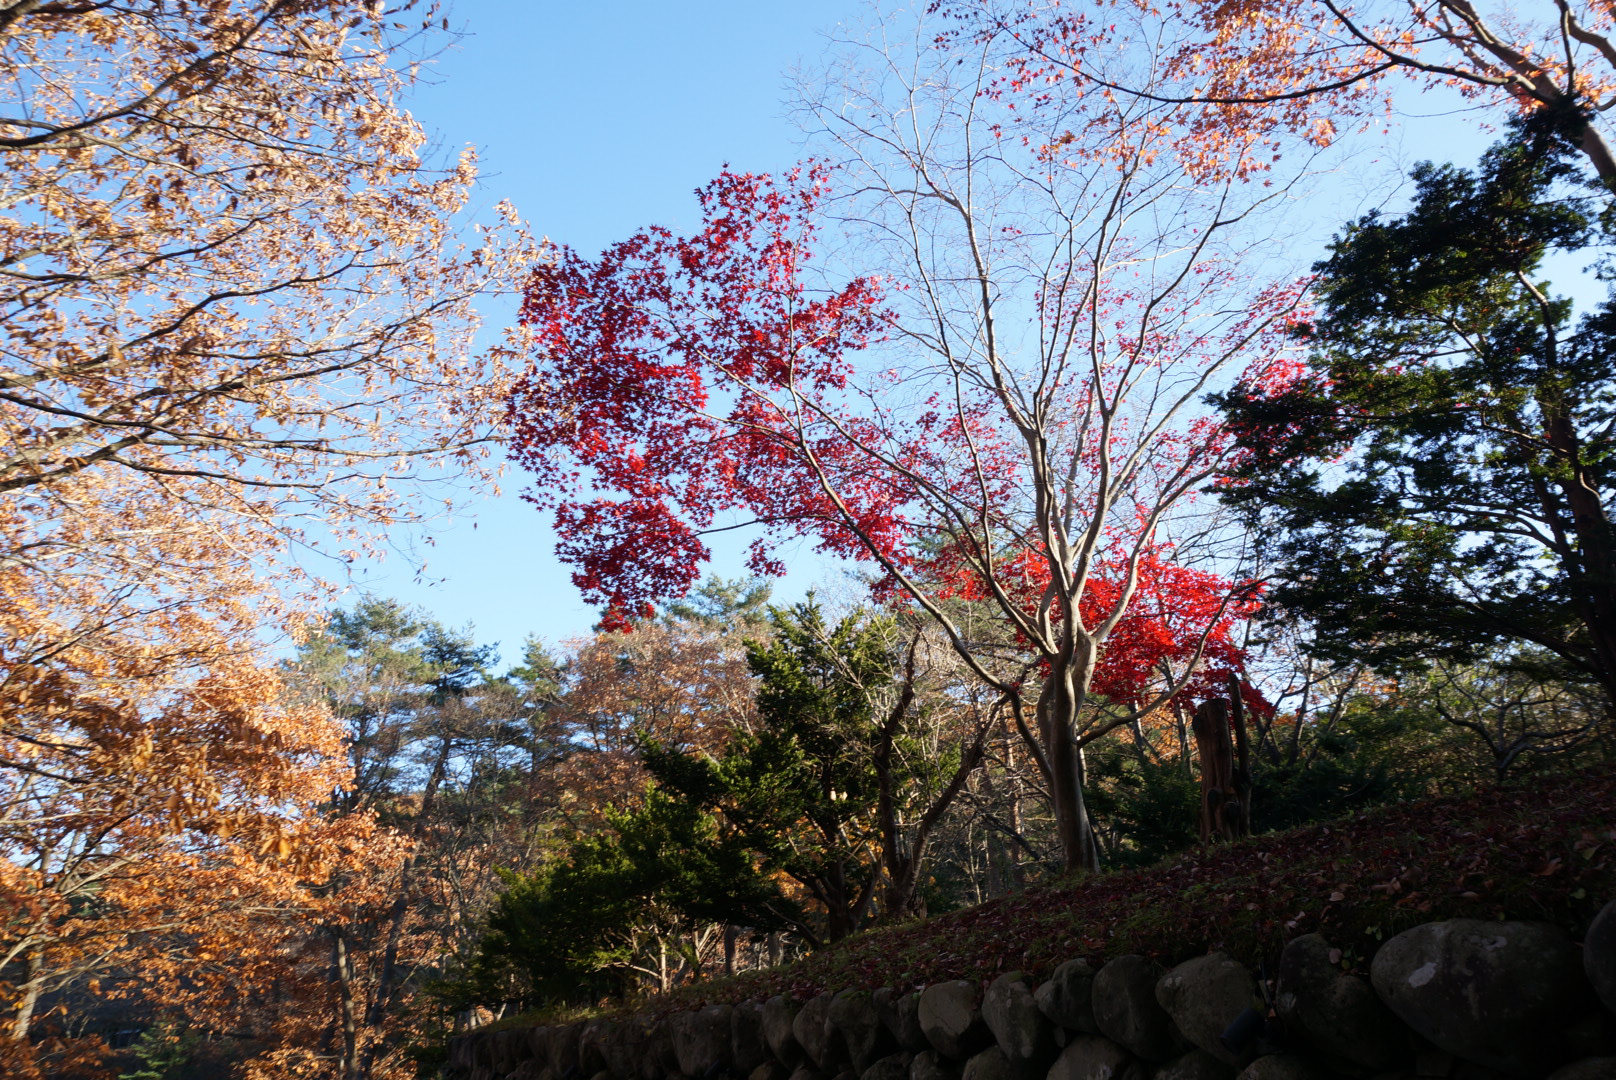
x=1437, y=480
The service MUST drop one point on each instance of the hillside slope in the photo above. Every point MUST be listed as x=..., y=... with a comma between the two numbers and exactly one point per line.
x=1541, y=852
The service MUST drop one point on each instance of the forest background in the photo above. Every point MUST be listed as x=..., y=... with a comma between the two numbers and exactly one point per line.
x=236, y=836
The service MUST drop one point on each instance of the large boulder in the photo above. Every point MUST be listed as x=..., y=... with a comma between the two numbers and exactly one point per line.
x=1333, y=1013
x=592, y=1045
x=900, y=1012
x=930, y=1065
x=563, y=1046
x=1204, y=996
x=1599, y=955
x=508, y=1049
x=1094, y=1057
x=1601, y=1068
x=951, y=1018
x=892, y=1067
x=1067, y=997
x=1127, y=1012
x=855, y=1022
x=1195, y=1065
x=1281, y=1067
x=657, y=1058
x=813, y=1034
x=460, y=1053
x=779, y=1030
x=701, y=1039
x=989, y=1064
x=1492, y=993
x=538, y=1040
x=1023, y=1033
x=626, y=1048
x=747, y=1047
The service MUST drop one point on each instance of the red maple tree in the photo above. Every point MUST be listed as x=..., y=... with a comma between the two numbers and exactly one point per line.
x=1004, y=420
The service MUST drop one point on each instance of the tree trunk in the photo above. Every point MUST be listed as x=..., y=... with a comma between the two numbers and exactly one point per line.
x=1242, y=755
x=342, y=965
x=1058, y=707
x=1597, y=151
x=34, y=974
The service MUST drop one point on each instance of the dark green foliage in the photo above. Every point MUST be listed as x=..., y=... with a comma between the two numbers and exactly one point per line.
x=161, y=1053
x=1147, y=809
x=800, y=791
x=1435, y=483
x=721, y=603
x=578, y=928
x=1339, y=777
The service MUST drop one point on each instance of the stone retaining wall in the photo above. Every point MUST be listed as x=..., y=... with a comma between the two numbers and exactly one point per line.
x=1467, y=999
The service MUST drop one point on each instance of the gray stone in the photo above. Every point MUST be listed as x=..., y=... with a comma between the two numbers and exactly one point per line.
x=601, y=1075
x=563, y=1046
x=1601, y=1068
x=1022, y=1031
x=1280, y=1067
x=1204, y=995
x=1599, y=955
x=951, y=1017
x=508, y=1049
x=1126, y=1009
x=769, y=1070
x=1067, y=997
x=528, y=1070
x=538, y=1041
x=460, y=1054
x=892, y=1067
x=746, y=1046
x=812, y=1033
x=1491, y=993
x=779, y=1017
x=856, y=1024
x=930, y=1065
x=807, y=1072
x=592, y=1042
x=657, y=1060
x=701, y=1039
x=1195, y=1065
x=900, y=1012
x=627, y=1048
x=1589, y=1036
x=1333, y=1013
x=1094, y=1057
x=990, y=1064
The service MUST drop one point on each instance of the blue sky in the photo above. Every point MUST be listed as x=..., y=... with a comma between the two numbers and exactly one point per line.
x=596, y=119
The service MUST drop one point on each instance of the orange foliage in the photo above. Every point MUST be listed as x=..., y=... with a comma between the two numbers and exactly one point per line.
x=234, y=305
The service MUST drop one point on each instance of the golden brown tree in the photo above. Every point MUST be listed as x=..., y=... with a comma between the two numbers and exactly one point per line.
x=236, y=305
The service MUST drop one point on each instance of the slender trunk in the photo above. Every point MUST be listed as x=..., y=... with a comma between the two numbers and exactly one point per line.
x=1242, y=755
x=1018, y=871
x=387, y=982
x=33, y=972
x=342, y=965
x=1595, y=556
x=1058, y=708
